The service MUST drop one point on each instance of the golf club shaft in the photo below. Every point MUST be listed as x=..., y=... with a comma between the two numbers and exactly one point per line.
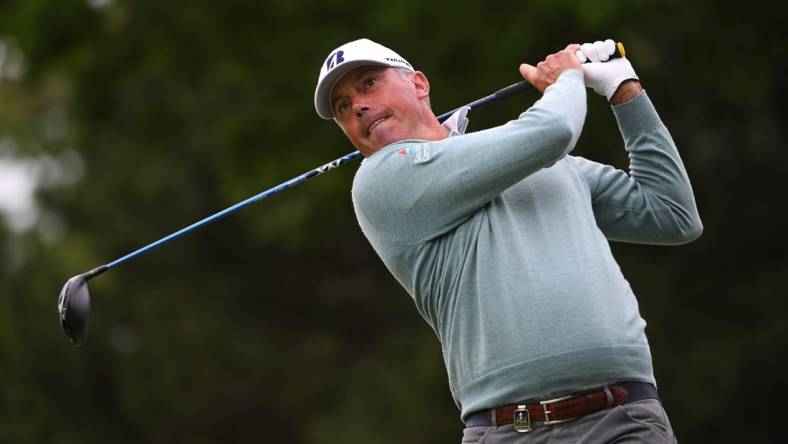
x=502, y=93
x=494, y=97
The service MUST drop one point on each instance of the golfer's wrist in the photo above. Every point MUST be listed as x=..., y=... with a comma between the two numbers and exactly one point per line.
x=627, y=90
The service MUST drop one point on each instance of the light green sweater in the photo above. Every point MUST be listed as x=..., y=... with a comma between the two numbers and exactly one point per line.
x=501, y=240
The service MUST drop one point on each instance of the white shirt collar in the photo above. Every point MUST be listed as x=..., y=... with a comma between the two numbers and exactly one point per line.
x=458, y=122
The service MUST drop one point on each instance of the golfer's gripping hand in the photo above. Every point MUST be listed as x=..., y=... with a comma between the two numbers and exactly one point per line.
x=546, y=72
x=606, y=78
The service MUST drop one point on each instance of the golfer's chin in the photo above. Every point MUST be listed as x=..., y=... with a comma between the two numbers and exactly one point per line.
x=383, y=137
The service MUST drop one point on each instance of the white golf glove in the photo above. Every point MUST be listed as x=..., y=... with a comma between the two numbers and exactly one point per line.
x=604, y=78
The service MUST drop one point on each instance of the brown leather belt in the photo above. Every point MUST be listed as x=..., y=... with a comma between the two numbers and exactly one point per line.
x=564, y=408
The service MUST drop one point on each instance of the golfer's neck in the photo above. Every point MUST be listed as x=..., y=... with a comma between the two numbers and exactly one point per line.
x=434, y=130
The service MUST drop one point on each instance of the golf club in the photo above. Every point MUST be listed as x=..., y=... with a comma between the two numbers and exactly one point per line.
x=74, y=300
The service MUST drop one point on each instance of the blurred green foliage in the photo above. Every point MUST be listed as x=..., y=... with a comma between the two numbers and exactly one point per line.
x=280, y=324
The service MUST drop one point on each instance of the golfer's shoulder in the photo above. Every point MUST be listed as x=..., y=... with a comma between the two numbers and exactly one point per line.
x=393, y=177
x=390, y=165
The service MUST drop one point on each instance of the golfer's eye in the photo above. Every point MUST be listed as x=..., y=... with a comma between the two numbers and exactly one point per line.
x=343, y=106
x=370, y=82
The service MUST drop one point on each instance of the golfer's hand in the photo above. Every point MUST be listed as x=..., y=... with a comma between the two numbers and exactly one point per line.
x=605, y=78
x=546, y=72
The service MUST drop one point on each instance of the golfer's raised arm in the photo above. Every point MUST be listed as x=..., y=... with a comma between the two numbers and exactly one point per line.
x=654, y=203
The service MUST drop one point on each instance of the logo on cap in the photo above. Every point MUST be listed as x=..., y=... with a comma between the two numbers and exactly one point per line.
x=334, y=59
x=393, y=60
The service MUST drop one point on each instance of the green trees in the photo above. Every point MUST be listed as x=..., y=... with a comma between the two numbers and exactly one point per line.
x=280, y=324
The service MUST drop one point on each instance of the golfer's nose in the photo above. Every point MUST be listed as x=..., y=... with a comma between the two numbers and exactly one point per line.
x=360, y=107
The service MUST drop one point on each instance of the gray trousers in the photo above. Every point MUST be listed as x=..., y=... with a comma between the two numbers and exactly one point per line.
x=637, y=422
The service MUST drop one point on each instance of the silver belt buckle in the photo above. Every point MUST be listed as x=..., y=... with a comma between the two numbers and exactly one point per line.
x=546, y=405
x=522, y=419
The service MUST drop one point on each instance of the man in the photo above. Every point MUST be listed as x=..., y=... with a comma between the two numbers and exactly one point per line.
x=501, y=239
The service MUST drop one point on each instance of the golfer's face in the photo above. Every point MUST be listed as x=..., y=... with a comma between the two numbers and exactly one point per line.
x=375, y=106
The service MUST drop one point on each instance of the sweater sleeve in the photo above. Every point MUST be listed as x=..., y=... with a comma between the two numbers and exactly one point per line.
x=413, y=191
x=654, y=203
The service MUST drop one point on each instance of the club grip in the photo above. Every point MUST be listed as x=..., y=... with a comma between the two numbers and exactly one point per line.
x=523, y=84
x=516, y=88
x=512, y=89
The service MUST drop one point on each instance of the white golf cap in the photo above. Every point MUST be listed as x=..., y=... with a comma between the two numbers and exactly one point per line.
x=345, y=58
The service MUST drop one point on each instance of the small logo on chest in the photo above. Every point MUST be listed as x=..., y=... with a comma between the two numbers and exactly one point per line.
x=420, y=154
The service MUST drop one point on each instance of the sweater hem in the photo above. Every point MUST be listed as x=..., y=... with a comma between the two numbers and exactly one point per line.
x=546, y=377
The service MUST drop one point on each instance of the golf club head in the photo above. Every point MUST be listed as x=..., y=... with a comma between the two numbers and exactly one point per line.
x=73, y=305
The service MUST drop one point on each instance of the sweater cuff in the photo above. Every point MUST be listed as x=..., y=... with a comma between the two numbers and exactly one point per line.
x=572, y=73
x=637, y=116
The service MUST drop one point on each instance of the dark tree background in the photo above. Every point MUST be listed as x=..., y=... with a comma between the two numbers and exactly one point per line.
x=280, y=324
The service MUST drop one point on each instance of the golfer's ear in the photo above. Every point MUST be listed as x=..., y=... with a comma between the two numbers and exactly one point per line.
x=421, y=83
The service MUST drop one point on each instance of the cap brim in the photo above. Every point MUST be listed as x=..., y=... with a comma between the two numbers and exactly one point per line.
x=323, y=91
